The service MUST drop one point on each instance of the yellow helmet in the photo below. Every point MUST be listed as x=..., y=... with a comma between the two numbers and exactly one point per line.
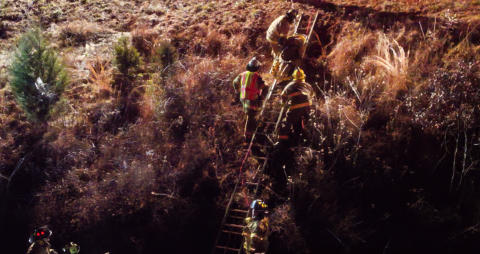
x=298, y=74
x=301, y=37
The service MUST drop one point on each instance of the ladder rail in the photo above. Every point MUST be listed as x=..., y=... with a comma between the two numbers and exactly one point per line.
x=239, y=178
x=224, y=219
x=309, y=35
x=298, y=23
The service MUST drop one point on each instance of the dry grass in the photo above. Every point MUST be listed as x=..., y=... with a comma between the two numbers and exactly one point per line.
x=100, y=76
x=153, y=101
x=214, y=42
x=345, y=117
x=155, y=7
x=348, y=53
x=144, y=39
x=465, y=50
x=391, y=64
x=462, y=9
x=79, y=32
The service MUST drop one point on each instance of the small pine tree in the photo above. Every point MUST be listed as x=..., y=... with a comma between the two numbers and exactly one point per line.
x=126, y=56
x=37, y=76
x=165, y=54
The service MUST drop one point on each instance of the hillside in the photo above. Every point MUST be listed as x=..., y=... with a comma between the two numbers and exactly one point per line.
x=145, y=162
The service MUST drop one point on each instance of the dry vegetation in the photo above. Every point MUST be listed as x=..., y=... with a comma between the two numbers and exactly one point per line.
x=142, y=162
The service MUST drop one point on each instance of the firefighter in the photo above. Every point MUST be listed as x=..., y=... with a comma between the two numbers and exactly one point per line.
x=256, y=229
x=278, y=31
x=290, y=58
x=277, y=35
x=40, y=241
x=296, y=97
x=252, y=91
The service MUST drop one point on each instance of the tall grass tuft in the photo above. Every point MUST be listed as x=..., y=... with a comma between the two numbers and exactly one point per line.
x=391, y=62
x=37, y=76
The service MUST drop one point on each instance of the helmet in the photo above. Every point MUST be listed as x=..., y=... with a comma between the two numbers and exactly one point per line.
x=259, y=209
x=291, y=14
x=300, y=37
x=298, y=74
x=253, y=65
x=39, y=234
x=71, y=248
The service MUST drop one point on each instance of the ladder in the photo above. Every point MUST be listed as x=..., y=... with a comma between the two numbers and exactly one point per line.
x=229, y=237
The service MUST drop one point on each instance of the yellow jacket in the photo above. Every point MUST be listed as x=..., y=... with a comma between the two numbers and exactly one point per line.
x=278, y=28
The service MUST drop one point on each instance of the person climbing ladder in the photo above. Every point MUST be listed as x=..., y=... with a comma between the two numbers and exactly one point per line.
x=252, y=90
x=256, y=228
x=296, y=97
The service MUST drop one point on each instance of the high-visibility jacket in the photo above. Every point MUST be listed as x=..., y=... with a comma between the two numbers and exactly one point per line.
x=256, y=235
x=250, y=85
x=278, y=28
x=297, y=94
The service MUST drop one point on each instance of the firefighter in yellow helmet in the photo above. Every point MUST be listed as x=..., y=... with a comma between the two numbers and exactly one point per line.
x=251, y=87
x=256, y=229
x=297, y=99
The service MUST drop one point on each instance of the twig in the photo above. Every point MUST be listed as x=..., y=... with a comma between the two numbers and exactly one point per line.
x=350, y=83
x=454, y=161
x=19, y=164
x=163, y=195
x=335, y=236
x=464, y=158
x=4, y=177
x=386, y=246
x=345, y=114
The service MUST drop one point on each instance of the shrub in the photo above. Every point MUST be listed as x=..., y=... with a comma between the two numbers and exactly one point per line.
x=38, y=77
x=165, y=55
x=126, y=56
x=3, y=30
x=213, y=43
x=143, y=40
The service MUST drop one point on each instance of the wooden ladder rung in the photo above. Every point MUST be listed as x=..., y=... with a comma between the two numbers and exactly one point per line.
x=237, y=217
x=239, y=211
x=227, y=248
x=231, y=232
x=234, y=225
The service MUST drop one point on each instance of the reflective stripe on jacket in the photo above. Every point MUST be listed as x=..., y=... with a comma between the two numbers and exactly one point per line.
x=297, y=94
